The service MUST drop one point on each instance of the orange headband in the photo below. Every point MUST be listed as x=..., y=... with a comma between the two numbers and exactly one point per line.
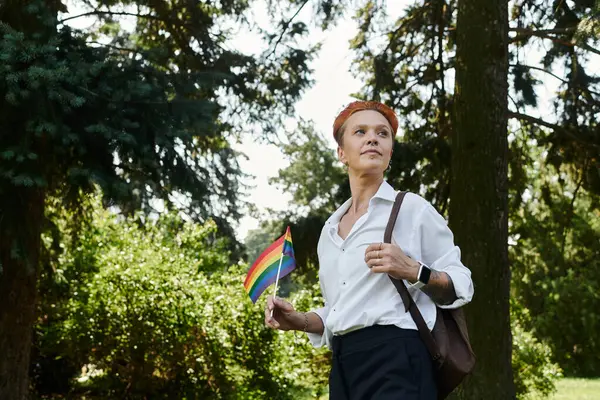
x=356, y=106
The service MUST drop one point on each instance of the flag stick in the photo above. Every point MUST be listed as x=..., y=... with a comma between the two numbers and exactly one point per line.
x=277, y=279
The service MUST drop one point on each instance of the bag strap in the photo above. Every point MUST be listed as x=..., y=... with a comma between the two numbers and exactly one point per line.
x=409, y=304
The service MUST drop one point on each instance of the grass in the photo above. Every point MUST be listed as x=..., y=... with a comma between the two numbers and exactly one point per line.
x=577, y=389
x=566, y=389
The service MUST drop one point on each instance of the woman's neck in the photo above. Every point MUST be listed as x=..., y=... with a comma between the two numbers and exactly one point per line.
x=363, y=188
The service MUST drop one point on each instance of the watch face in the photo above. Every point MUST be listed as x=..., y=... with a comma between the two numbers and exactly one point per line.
x=425, y=274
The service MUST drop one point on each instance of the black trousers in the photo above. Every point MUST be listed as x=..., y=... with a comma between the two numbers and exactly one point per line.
x=382, y=362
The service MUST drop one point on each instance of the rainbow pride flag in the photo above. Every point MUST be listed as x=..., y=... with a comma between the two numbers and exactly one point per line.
x=263, y=272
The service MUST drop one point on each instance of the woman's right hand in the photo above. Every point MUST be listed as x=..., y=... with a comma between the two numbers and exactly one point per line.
x=284, y=318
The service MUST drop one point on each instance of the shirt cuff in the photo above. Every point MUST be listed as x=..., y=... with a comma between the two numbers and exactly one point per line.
x=325, y=338
x=463, y=287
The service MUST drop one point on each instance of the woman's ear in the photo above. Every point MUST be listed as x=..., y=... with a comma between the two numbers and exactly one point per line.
x=341, y=155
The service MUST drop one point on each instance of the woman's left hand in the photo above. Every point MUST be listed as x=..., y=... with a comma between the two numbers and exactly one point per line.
x=390, y=259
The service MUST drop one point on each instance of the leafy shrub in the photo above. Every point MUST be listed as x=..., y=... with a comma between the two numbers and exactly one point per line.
x=162, y=315
x=556, y=270
x=535, y=372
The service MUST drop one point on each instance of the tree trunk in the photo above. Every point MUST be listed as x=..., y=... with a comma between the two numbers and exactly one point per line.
x=20, y=229
x=479, y=193
x=21, y=216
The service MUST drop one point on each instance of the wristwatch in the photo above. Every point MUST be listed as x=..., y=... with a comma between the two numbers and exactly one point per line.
x=423, y=276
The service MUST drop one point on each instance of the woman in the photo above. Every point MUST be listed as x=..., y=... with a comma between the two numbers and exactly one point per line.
x=377, y=352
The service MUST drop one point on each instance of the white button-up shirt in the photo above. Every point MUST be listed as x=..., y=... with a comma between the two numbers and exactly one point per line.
x=354, y=296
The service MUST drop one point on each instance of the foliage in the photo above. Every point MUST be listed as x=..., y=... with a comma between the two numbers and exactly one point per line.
x=408, y=70
x=555, y=268
x=148, y=116
x=534, y=369
x=193, y=44
x=150, y=319
x=257, y=240
x=142, y=116
x=314, y=175
x=102, y=120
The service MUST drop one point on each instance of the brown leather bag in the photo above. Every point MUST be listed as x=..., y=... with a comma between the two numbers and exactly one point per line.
x=448, y=342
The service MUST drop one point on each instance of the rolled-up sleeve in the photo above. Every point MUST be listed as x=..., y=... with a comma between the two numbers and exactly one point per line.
x=439, y=252
x=325, y=338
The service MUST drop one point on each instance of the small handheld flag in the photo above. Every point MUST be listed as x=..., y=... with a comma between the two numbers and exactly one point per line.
x=275, y=262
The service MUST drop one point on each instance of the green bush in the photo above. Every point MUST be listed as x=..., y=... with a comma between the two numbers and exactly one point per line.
x=535, y=372
x=162, y=315
x=556, y=271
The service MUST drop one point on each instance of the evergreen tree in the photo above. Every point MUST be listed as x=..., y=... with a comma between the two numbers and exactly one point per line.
x=147, y=115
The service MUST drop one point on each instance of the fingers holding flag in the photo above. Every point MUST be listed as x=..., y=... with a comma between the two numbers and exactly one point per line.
x=270, y=320
x=280, y=314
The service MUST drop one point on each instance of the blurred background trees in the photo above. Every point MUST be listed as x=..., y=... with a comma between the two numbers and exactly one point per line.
x=120, y=271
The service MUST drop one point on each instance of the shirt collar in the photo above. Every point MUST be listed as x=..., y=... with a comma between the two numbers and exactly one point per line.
x=385, y=192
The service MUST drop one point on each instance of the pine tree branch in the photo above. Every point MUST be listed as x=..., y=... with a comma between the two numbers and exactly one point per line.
x=555, y=39
x=553, y=75
x=110, y=46
x=513, y=101
x=539, y=69
x=589, y=48
x=534, y=120
x=535, y=32
x=401, y=27
x=554, y=127
x=98, y=12
x=286, y=26
x=546, y=34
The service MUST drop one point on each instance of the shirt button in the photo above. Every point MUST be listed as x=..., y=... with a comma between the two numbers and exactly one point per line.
x=343, y=283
